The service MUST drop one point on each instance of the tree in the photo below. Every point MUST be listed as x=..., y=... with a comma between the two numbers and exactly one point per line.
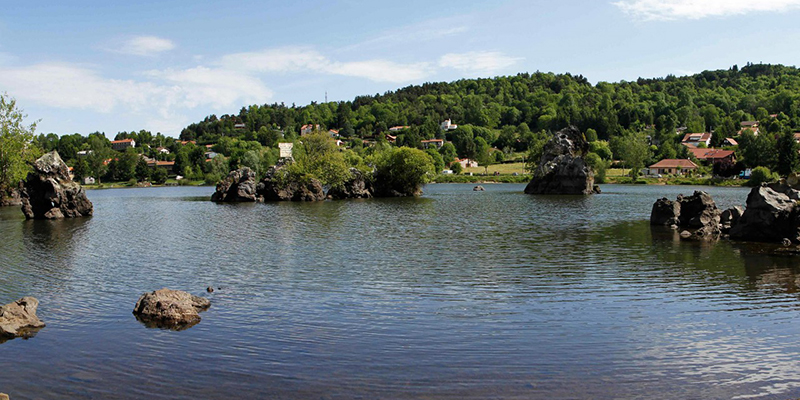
x=787, y=153
x=142, y=170
x=16, y=144
x=160, y=176
x=448, y=152
x=456, y=168
x=634, y=151
x=761, y=175
x=403, y=170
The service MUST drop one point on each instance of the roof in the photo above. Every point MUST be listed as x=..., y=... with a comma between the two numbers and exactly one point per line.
x=749, y=123
x=674, y=163
x=432, y=140
x=697, y=137
x=733, y=141
x=710, y=154
x=122, y=141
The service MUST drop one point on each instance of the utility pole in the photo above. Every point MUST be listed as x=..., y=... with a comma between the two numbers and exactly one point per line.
x=326, y=96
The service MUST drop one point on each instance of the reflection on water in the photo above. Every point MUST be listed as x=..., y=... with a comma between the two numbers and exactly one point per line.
x=459, y=294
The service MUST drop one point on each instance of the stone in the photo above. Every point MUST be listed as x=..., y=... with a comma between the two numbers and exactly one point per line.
x=770, y=216
x=786, y=242
x=278, y=185
x=10, y=197
x=4, y=396
x=562, y=169
x=686, y=234
x=729, y=218
x=18, y=319
x=238, y=186
x=478, y=188
x=210, y=289
x=665, y=212
x=49, y=193
x=357, y=187
x=170, y=309
x=698, y=211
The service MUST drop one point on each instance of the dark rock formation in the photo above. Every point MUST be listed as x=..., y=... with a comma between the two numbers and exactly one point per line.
x=665, y=212
x=356, y=188
x=239, y=186
x=49, y=193
x=697, y=212
x=562, y=169
x=770, y=216
x=170, y=309
x=9, y=197
x=478, y=188
x=729, y=218
x=18, y=319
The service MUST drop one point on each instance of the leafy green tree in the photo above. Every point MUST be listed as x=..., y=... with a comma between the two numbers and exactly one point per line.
x=761, y=175
x=438, y=161
x=787, y=153
x=448, y=152
x=456, y=168
x=403, y=169
x=634, y=151
x=16, y=144
x=601, y=148
x=160, y=176
x=142, y=170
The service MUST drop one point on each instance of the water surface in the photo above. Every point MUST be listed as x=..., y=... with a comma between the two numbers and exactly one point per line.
x=457, y=294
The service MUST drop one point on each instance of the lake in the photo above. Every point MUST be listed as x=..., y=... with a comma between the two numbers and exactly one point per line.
x=457, y=294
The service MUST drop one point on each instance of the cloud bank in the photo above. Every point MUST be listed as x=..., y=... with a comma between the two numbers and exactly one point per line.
x=699, y=9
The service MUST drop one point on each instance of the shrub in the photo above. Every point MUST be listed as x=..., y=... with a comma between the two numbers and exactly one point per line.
x=761, y=175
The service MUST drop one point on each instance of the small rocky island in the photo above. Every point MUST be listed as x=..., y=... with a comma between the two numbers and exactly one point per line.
x=49, y=193
x=170, y=309
x=562, y=169
x=772, y=214
x=18, y=319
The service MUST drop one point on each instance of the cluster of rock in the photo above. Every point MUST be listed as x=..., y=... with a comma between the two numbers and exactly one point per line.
x=49, y=193
x=170, y=309
x=772, y=214
x=18, y=319
x=562, y=169
x=9, y=197
x=241, y=186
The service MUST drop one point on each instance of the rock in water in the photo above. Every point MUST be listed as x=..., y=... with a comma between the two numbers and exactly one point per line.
x=239, y=186
x=769, y=217
x=278, y=185
x=562, y=169
x=49, y=193
x=9, y=197
x=18, y=319
x=4, y=396
x=665, y=212
x=478, y=188
x=357, y=187
x=729, y=218
x=170, y=309
x=698, y=211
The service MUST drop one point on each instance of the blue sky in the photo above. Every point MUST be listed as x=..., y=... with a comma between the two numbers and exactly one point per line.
x=85, y=66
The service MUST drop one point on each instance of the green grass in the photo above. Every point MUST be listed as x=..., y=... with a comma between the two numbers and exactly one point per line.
x=503, y=169
x=126, y=184
x=481, y=179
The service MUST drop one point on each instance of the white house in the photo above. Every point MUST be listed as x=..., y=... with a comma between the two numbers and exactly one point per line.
x=308, y=128
x=438, y=143
x=448, y=125
x=89, y=180
x=467, y=163
x=85, y=153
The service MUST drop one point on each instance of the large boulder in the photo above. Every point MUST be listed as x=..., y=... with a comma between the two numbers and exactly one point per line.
x=698, y=210
x=357, y=187
x=279, y=185
x=562, y=169
x=770, y=216
x=665, y=212
x=729, y=218
x=49, y=193
x=238, y=186
x=18, y=319
x=170, y=309
x=9, y=197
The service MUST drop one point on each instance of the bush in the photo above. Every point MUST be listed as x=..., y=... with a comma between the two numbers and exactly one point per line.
x=160, y=176
x=761, y=175
x=457, y=168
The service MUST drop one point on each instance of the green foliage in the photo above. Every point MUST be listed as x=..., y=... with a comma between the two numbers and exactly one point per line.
x=601, y=148
x=403, y=169
x=438, y=161
x=457, y=168
x=318, y=157
x=160, y=176
x=761, y=175
x=16, y=149
x=448, y=152
x=633, y=149
x=787, y=153
x=598, y=165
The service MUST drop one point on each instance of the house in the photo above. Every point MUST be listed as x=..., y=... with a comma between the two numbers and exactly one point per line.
x=714, y=155
x=672, y=166
x=797, y=137
x=333, y=133
x=89, y=181
x=185, y=142
x=285, y=149
x=694, y=139
x=85, y=153
x=168, y=165
x=438, y=143
x=162, y=150
x=391, y=139
x=210, y=154
x=749, y=124
x=448, y=125
x=466, y=163
x=239, y=126
x=398, y=128
x=730, y=142
x=123, y=144
x=754, y=130
x=308, y=128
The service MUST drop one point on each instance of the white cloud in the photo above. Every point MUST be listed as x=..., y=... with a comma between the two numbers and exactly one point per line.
x=478, y=62
x=145, y=46
x=299, y=60
x=697, y=9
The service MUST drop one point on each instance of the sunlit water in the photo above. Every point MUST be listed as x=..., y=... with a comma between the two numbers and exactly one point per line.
x=457, y=294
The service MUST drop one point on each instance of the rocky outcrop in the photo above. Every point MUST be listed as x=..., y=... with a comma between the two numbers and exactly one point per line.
x=18, y=319
x=729, y=218
x=562, y=169
x=770, y=216
x=478, y=188
x=357, y=187
x=697, y=212
x=278, y=185
x=9, y=197
x=238, y=186
x=170, y=309
x=49, y=193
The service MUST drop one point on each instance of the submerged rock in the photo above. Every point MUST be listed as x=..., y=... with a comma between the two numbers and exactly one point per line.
x=665, y=212
x=478, y=188
x=770, y=216
x=18, y=319
x=238, y=186
x=697, y=212
x=357, y=187
x=49, y=193
x=170, y=309
x=562, y=169
x=729, y=218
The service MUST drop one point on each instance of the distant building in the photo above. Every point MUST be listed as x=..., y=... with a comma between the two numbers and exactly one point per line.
x=467, y=163
x=751, y=125
x=438, y=143
x=308, y=128
x=694, y=139
x=89, y=180
x=168, y=165
x=797, y=137
x=285, y=149
x=398, y=128
x=714, y=155
x=333, y=133
x=163, y=150
x=730, y=142
x=672, y=167
x=210, y=155
x=391, y=139
x=448, y=125
x=85, y=153
x=185, y=142
x=239, y=126
x=121, y=145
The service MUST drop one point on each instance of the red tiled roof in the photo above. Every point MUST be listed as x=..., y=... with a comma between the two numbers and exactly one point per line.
x=433, y=140
x=674, y=163
x=122, y=141
x=697, y=137
x=732, y=141
x=710, y=154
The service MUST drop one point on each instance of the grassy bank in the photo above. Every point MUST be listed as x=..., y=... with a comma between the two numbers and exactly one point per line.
x=481, y=179
x=625, y=180
x=121, y=185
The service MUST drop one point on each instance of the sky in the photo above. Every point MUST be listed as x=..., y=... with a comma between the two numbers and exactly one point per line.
x=85, y=66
